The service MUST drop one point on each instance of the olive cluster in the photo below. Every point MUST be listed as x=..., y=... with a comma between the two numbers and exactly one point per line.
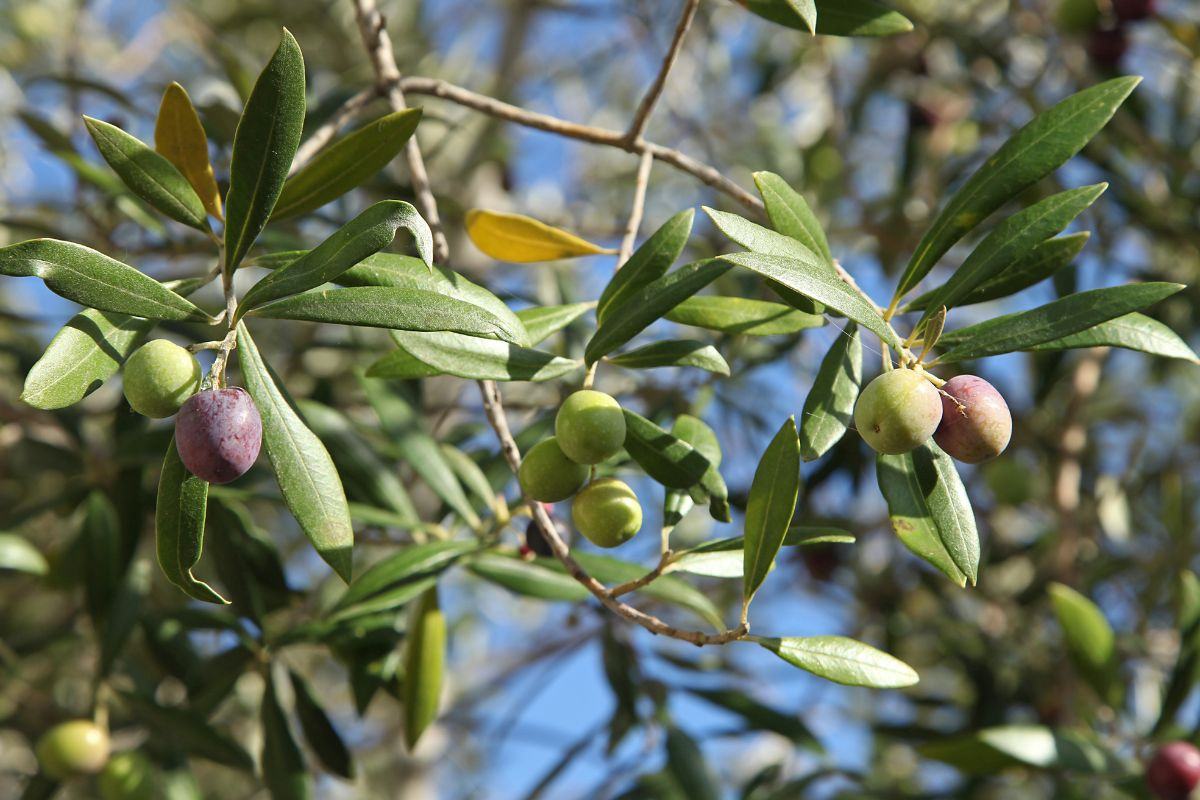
x=588, y=429
x=218, y=432
x=79, y=747
x=901, y=409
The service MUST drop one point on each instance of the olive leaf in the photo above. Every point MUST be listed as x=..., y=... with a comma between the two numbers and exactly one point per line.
x=307, y=478
x=522, y=240
x=263, y=147
x=18, y=554
x=790, y=214
x=695, y=432
x=93, y=279
x=674, y=463
x=528, y=578
x=648, y=263
x=842, y=660
x=770, y=506
x=147, y=174
x=1131, y=331
x=188, y=731
x=283, y=767
x=742, y=315
x=686, y=764
x=1089, y=638
x=179, y=526
x=422, y=354
x=933, y=329
x=834, y=17
x=829, y=406
x=179, y=137
x=673, y=353
x=347, y=163
x=319, y=731
x=1036, y=150
x=398, y=578
x=541, y=322
x=424, y=663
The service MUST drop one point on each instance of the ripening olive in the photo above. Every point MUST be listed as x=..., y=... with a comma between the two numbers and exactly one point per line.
x=897, y=411
x=158, y=377
x=607, y=512
x=218, y=434
x=77, y=747
x=1174, y=771
x=590, y=427
x=546, y=474
x=976, y=424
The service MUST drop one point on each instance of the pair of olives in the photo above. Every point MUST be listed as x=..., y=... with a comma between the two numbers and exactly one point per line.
x=218, y=432
x=901, y=409
x=589, y=428
x=80, y=747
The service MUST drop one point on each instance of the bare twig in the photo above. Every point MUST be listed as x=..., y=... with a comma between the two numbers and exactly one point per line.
x=1072, y=441
x=642, y=116
x=639, y=206
x=637, y=583
x=324, y=134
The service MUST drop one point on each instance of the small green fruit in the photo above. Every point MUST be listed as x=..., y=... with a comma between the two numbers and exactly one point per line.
x=73, y=748
x=159, y=377
x=607, y=512
x=590, y=427
x=128, y=776
x=897, y=411
x=546, y=474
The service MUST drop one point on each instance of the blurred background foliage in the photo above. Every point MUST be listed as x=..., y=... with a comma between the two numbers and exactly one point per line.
x=1098, y=490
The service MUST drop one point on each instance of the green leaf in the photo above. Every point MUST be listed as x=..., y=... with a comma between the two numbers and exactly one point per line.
x=319, y=731
x=758, y=716
x=724, y=558
x=247, y=562
x=424, y=455
x=648, y=263
x=835, y=17
x=19, y=555
x=1038, y=264
x=1009, y=241
x=542, y=322
x=307, y=478
x=470, y=475
x=263, y=147
x=347, y=163
x=424, y=663
x=829, y=407
x=757, y=239
x=84, y=353
x=790, y=214
x=1089, y=638
x=102, y=544
x=123, y=614
x=423, y=354
x=528, y=578
x=1036, y=150
x=284, y=771
x=770, y=506
x=93, y=279
x=842, y=660
x=909, y=484
x=1026, y=329
x=188, y=731
x=148, y=175
x=694, y=431
x=387, y=307
x=1131, y=331
x=811, y=279
x=647, y=304
x=674, y=463
x=673, y=353
x=685, y=762
x=990, y=750
x=378, y=587
x=667, y=589
x=366, y=234
x=741, y=315
x=179, y=526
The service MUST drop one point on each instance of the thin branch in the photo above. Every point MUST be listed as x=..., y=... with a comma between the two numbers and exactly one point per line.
x=642, y=117
x=639, y=206
x=637, y=583
x=324, y=134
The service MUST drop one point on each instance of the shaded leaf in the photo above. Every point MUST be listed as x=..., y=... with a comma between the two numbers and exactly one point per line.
x=423, y=354
x=319, y=732
x=674, y=463
x=685, y=762
x=284, y=770
x=648, y=263
x=378, y=587
x=829, y=407
x=424, y=662
x=179, y=137
x=758, y=716
x=189, y=732
x=910, y=515
x=770, y=506
x=673, y=353
x=742, y=315
x=179, y=526
x=1089, y=638
x=528, y=578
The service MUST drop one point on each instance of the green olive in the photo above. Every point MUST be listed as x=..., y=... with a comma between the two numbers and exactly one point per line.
x=590, y=427
x=607, y=512
x=898, y=411
x=128, y=776
x=159, y=377
x=77, y=747
x=546, y=474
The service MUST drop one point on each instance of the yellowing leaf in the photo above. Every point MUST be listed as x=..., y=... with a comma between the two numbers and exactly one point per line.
x=179, y=137
x=522, y=240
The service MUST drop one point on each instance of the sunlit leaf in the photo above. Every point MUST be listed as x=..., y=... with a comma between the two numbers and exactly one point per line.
x=770, y=506
x=522, y=240
x=842, y=660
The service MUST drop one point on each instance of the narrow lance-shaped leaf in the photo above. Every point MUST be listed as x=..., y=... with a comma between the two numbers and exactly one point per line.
x=829, y=406
x=541, y=322
x=179, y=137
x=686, y=763
x=1089, y=638
x=283, y=766
x=179, y=526
x=102, y=543
x=424, y=662
x=1010, y=240
x=842, y=660
x=649, y=303
x=424, y=455
x=93, y=279
x=346, y=163
x=387, y=307
x=835, y=17
x=911, y=519
x=811, y=279
x=522, y=240
x=322, y=737
x=1131, y=331
x=1033, y=152
x=528, y=578
x=368, y=233
x=1072, y=314
x=950, y=507
x=307, y=478
x=673, y=353
x=188, y=731
x=16, y=553
x=694, y=431
x=742, y=315
x=423, y=354
x=790, y=214
x=406, y=566
x=770, y=506
x=147, y=174
x=648, y=263
x=263, y=147
x=674, y=463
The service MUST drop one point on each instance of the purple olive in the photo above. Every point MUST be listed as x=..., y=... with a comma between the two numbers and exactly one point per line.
x=218, y=434
x=1133, y=10
x=976, y=424
x=1174, y=771
x=1106, y=46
